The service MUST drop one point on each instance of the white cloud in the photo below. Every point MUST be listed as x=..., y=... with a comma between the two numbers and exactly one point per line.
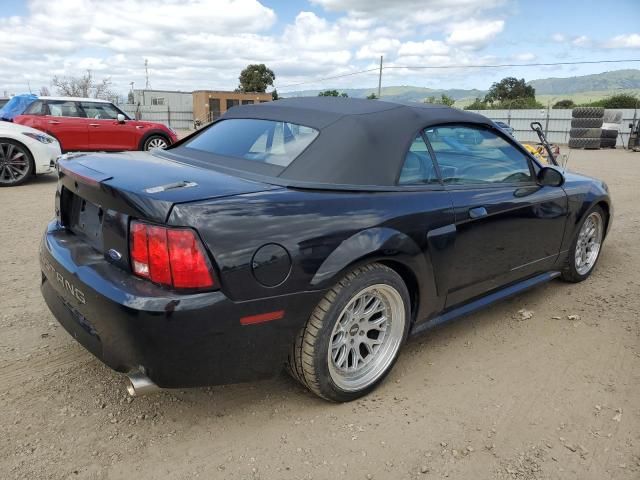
x=631, y=40
x=581, y=41
x=474, y=34
x=380, y=46
x=196, y=44
x=427, y=47
x=558, y=38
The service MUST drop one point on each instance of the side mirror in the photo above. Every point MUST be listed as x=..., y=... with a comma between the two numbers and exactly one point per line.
x=550, y=177
x=121, y=118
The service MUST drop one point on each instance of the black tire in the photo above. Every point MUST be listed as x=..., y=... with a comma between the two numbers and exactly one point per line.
x=609, y=133
x=26, y=170
x=569, y=272
x=152, y=139
x=586, y=122
x=585, y=132
x=608, y=143
x=309, y=356
x=584, y=142
x=587, y=112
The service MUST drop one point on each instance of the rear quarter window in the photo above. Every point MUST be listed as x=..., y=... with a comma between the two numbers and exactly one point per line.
x=261, y=141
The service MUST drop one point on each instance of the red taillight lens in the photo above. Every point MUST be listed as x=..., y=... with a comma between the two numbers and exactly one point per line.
x=170, y=256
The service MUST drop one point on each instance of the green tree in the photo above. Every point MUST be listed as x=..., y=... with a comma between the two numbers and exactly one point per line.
x=274, y=95
x=564, y=104
x=509, y=88
x=130, y=98
x=372, y=96
x=621, y=100
x=443, y=100
x=256, y=78
x=332, y=93
x=478, y=104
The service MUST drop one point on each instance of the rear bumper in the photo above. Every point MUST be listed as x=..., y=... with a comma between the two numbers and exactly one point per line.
x=181, y=340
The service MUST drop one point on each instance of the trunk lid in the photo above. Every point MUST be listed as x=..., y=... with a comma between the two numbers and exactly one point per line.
x=98, y=193
x=143, y=185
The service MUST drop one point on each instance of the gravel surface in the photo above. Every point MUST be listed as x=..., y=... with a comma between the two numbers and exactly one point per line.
x=543, y=386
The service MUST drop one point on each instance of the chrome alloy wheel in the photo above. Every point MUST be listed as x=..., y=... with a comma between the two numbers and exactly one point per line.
x=14, y=163
x=588, y=243
x=157, y=142
x=366, y=337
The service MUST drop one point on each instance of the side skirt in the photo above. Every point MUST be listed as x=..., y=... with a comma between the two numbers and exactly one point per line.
x=485, y=301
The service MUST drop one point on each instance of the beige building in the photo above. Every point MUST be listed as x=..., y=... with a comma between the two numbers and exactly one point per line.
x=210, y=104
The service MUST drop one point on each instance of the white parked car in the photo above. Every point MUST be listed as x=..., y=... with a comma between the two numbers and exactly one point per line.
x=25, y=152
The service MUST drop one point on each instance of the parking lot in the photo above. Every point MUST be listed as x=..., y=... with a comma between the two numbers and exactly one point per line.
x=495, y=395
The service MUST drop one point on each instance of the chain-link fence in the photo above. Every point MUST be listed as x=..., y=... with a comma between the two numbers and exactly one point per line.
x=557, y=123
x=177, y=119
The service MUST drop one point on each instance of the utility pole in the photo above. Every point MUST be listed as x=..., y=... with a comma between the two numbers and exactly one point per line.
x=380, y=79
x=146, y=74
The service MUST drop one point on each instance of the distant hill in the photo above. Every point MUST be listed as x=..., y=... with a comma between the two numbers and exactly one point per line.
x=607, y=81
x=579, y=89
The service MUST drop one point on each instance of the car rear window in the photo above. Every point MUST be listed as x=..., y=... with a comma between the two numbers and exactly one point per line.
x=263, y=141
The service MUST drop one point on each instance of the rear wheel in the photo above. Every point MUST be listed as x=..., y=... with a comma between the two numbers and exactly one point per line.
x=155, y=141
x=353, y=337
x=16, y=163
x=585, y=249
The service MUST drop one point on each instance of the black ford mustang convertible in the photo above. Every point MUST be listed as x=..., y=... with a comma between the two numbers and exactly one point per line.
x=312, y=233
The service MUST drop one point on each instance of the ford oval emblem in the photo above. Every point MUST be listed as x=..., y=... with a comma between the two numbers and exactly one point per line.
x=115, y=255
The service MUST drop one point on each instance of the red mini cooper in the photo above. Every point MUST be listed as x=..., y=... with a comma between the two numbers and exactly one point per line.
x=90, y=124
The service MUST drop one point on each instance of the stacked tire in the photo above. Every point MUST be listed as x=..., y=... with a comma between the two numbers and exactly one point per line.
x=586, y=127
x=610, y=128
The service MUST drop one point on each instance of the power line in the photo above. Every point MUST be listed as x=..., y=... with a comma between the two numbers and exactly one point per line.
x=551, y=64
x=443, y=67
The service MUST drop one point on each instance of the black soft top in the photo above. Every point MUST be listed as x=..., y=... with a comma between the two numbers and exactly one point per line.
x=360, y=142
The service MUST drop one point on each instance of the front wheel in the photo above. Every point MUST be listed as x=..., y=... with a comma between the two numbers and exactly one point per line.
x=353, y=337
x=155, y=141
x=16, y=163
x=586, y=246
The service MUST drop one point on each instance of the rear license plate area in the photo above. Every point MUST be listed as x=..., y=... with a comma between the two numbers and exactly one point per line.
x=85, y=220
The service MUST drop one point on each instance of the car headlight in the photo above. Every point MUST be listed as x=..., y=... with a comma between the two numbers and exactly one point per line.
x=41, y=137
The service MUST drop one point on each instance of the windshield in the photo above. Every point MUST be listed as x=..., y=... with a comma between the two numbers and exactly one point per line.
x=263, y=141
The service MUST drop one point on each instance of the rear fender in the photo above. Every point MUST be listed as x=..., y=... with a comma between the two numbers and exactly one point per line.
x=380, y=244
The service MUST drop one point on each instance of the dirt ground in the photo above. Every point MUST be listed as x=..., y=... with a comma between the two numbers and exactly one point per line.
x=490, y=396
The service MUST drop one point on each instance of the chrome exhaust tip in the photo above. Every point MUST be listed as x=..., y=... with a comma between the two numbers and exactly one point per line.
x=139, y=384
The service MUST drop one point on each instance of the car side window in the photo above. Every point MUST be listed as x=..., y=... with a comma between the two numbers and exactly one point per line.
x=34, y=109
x=100, y=111
x=472, y=155
x=62, y=108
x=418, y=167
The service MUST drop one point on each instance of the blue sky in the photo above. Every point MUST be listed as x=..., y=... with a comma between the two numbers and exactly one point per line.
x=194, y=44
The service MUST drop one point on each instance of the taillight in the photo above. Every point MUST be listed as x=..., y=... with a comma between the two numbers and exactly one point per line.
x=169, y=256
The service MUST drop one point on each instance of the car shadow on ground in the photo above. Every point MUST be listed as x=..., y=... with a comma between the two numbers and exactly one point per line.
x=423, y=351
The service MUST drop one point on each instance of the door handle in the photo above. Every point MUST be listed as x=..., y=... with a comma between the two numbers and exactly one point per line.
x=139, y=127
x=477, y=212
x=94, y=124
x=53, y=122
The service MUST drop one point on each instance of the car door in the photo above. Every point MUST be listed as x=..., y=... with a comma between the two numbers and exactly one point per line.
x=105, y=132
x=65, y=120
x=507, y=226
